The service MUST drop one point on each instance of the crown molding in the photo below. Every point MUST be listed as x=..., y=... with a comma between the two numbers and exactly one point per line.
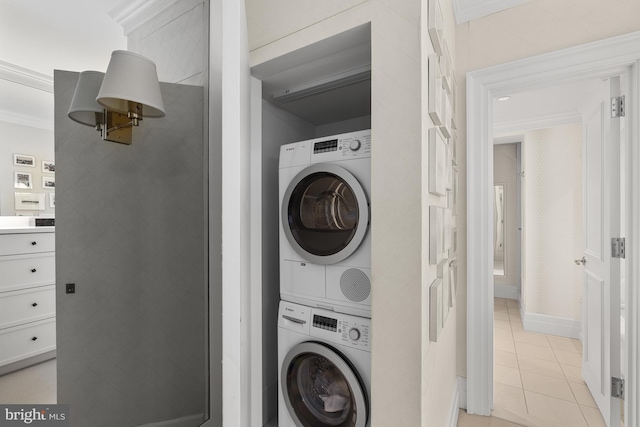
x=22, y=120
x=25, y=77
x=467, y=10
x=539, y=122
x=133, y=14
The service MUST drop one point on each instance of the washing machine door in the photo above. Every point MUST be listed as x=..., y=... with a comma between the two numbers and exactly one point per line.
x=325, y=213
x=322, y=389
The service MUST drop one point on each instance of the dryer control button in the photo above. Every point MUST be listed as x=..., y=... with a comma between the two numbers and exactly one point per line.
x=354, y=334
x=355, y=145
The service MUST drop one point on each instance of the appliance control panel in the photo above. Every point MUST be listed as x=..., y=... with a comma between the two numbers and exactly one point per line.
x=353, y=145
x=344, y=329
x=355, y=333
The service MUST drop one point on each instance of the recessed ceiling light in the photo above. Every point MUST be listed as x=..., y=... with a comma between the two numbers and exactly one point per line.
x=504, y=98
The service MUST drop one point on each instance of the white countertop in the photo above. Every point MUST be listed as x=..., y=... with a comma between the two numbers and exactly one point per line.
x=21, y=224
x=16, y=230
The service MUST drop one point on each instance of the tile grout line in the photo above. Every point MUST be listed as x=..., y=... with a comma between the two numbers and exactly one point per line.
x=526, y=404
x=566, y=379
x=569, y=384
x=557, y=361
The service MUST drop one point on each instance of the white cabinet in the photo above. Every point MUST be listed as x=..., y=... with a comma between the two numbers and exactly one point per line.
x=27, y=297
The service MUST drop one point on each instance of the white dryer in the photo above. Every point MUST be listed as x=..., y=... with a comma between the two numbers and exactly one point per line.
x=325, y=368
x=325, y=239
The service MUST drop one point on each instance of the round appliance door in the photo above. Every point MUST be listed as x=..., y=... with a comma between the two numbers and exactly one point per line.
x=325, y=213
x=322, y=389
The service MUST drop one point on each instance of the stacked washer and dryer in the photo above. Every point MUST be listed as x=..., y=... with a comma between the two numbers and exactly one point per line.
x=324, y=318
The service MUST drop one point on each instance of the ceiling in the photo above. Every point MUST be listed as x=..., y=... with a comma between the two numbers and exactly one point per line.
x=81, y=34
x=467, y=10
x=45, y=35
x=546, y=107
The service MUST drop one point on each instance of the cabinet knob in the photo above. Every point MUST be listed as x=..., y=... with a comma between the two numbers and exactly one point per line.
x=33, y=270
x=34, y=243
x=34, y=338
x=35, y=304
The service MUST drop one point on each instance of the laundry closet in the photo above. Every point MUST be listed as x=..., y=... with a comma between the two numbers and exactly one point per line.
x=320, y=90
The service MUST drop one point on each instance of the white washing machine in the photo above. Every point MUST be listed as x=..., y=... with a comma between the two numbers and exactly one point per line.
x=325, y=368
x=325, y=239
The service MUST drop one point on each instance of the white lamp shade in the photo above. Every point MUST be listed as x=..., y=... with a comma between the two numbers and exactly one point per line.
x=131, y=78
x=84, y=107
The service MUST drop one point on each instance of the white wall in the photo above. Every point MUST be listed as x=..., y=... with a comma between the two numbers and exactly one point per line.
x=552, y=189
x=176, y=40
x=277, y=19
x=18, y=139
x=412, y=376
x=278, y=127
x=504, y=172
x=536, y=27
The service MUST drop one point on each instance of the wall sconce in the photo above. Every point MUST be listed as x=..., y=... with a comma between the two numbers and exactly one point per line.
x=115, y=101
x=84, y=108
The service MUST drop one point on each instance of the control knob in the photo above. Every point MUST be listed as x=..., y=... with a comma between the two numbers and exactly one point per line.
x=355, y=145
x=354, y=334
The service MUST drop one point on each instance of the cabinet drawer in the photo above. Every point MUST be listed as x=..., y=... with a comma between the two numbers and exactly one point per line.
x=28, y=340
x=27, y=243
x=19, y=271
x=28, y=305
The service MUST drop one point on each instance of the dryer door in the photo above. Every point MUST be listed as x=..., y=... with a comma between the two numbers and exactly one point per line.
x=322, y=388
x=325, y=213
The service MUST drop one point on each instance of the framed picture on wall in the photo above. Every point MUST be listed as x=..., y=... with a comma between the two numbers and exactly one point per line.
x=435, y=310
x=452, y=97
x=449, y=164
x=437, y=163
x=447, y=220
x=443, y=274
x=453, y=273
x=435, y=25
x=446, y=68
x=453, y=142
x=24, y=160
x=446, y=113
x=22, y=180
x=436, y=91
x=48, y=182
x=454, y=204
x=48, y=166
x=436, y=234
x=52, y=200
x=29, y=201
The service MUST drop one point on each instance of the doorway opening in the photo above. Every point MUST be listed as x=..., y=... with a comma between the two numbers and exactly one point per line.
x=537, y=327
x=591, y=61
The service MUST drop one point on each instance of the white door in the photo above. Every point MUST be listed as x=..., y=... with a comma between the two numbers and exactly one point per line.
x=601, y=288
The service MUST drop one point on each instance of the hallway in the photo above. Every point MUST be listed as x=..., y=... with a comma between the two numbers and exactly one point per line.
x=538, y=377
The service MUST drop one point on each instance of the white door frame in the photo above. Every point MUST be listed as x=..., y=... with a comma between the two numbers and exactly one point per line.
x=602, y=58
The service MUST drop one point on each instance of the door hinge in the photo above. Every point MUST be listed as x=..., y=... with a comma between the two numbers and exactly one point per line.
x=617, y=106
x=617, y=388
x=617, y=247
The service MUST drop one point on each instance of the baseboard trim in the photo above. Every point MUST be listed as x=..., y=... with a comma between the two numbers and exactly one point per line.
x=455, y=406
x=186, y=421
x=505, y=291
x=552, y=325
x=21, y=364
x=462, y=392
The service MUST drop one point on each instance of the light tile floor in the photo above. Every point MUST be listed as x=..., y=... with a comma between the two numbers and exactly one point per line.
x=466, y=420
x=33, y=385
x=538, y=380
x=537, y=377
